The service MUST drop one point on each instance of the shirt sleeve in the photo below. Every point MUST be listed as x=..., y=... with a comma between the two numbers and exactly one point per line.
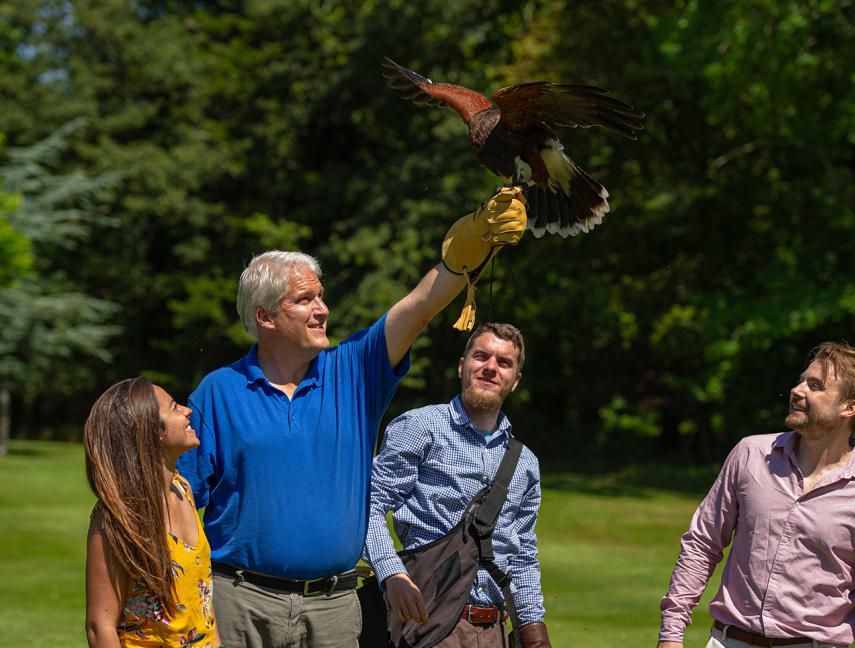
x=197, y=465
x=369, y=355
x=524, y=567
x=393, y=477
x=710, y=531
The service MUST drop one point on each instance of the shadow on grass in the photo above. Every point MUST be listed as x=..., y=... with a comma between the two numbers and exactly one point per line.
x=25, y=451
x=636, y=481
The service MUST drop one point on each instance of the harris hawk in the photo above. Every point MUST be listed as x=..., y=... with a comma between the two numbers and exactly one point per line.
x=513, y=139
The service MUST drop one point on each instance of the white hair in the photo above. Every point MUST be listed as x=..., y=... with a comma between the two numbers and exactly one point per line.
x=266, y=280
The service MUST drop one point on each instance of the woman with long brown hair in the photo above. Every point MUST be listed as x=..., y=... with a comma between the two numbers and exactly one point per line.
x=148, y=566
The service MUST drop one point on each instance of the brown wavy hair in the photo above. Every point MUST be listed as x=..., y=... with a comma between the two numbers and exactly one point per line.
x=841, y=357
x=507, y=332
x=124, y=466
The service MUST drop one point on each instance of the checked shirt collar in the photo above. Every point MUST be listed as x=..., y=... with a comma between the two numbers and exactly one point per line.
x=460, y=418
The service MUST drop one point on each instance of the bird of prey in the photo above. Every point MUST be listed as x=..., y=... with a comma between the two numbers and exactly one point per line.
x=513, y=139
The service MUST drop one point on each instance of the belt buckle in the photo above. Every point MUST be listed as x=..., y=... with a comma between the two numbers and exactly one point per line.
x=469, y=613
x=333, y=583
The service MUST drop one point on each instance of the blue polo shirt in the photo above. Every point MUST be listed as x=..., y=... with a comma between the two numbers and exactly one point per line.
x=285, y=482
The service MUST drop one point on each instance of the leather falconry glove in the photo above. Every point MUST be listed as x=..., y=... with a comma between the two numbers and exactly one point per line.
x=476, y=238
x=533, y=635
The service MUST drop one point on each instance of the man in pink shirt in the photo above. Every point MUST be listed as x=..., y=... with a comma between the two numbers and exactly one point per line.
x=786, y=505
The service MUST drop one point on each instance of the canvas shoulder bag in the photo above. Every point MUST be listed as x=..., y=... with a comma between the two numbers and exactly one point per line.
x=446, y=568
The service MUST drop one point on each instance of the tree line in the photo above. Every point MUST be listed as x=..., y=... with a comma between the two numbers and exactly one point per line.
x=150, y=148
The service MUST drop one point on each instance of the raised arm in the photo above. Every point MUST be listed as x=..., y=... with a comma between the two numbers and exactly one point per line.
x=470, y=243
x=409, y=317
x=106, y=582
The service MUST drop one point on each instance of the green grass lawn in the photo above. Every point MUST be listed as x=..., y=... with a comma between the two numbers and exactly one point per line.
x=607, y=548
x=44, y=514
x=606, y=560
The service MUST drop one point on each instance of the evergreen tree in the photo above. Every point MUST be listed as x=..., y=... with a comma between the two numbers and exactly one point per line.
x=47, y=321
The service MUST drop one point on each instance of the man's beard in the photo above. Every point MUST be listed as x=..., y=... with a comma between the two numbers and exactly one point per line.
x=810, y=426
x=481, y=400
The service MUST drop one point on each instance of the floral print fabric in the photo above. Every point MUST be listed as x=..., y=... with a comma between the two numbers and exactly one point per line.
x=145, y=622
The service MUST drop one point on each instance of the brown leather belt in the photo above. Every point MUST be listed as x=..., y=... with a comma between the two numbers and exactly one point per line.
x=746, y=636
x=481, y=615
x=326, y=585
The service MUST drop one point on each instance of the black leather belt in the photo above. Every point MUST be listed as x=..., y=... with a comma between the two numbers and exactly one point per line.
x=754, y=639
x=325, y=585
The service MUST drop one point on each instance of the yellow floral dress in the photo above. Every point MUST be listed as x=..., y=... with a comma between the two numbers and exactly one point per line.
x=145, y=623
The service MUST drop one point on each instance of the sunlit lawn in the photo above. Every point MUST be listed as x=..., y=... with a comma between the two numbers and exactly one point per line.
x=44, y=514
x=606, y=560
x=607, y=548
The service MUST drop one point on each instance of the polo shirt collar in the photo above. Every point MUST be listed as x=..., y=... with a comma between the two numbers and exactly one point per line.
x=254, y=373
x=461, y=418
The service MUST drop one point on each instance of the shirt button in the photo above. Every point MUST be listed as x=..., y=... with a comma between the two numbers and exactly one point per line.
x=484, y=479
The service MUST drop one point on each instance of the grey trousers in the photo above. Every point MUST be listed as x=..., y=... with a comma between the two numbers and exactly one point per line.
x=250, y=616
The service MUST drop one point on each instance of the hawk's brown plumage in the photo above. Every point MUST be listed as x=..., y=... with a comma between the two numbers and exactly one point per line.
x=513, y=139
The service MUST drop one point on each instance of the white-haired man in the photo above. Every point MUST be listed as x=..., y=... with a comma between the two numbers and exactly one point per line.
x=287, y=434
x=783, y=502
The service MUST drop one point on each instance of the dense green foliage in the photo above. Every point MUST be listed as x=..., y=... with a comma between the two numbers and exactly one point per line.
x=675, y=327
x=44, y=317
x=606, y=547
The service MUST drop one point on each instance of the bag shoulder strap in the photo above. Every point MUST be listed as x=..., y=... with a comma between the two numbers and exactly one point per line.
x=485, y=518
x=488, y=512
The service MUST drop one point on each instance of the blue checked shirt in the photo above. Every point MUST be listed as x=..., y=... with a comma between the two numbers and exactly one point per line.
x=432, y=462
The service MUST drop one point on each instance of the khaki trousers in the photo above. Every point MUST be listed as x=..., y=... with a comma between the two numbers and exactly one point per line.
x=466, y=635
x=250, y=616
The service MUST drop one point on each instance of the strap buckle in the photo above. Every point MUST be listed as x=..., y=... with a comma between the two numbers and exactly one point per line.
x=469, y=613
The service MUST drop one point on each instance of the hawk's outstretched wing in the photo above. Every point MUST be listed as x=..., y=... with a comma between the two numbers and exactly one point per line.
x=422, y=90
x=561, y=104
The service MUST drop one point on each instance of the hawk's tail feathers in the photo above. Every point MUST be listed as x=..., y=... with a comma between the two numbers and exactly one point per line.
x=572, y=202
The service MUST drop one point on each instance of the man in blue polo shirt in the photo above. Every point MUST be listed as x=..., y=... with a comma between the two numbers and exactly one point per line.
x=287, y=434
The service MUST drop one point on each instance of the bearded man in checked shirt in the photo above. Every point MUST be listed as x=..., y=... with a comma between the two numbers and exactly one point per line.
x=786, y=505
x=432, y=462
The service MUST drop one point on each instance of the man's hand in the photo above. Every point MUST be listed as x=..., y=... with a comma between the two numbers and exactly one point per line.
x=533, y=635
x=476, y=238
x=670, y=644
x=405, y=599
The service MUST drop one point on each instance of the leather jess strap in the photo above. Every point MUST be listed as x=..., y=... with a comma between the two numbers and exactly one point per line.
x=325, y=585
x=754, y=639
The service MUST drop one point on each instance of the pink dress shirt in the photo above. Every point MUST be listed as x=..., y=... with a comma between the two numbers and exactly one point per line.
x=790, y=569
